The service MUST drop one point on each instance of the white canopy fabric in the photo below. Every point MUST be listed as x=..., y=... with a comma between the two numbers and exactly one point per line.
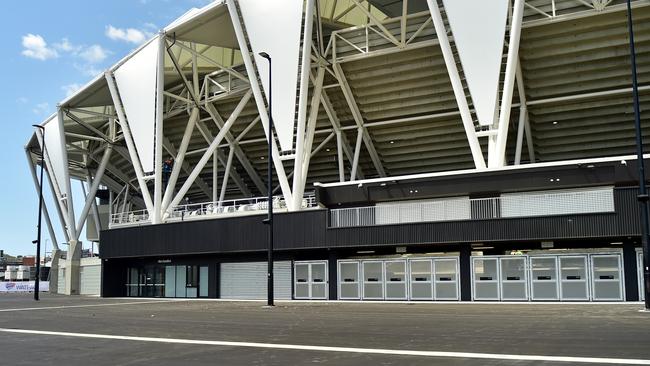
x=281, y=40
x=136, y=81
x=478, y=27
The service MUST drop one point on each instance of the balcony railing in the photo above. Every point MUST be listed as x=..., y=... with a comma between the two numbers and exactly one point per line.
x=595, y=200
x=205, y=210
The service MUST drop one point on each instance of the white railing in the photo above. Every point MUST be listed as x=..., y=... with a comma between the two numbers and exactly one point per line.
x=530, y=204
x=130, y=218
x=204, y=210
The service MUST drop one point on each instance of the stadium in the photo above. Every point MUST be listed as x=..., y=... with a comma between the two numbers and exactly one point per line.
x=438, y=150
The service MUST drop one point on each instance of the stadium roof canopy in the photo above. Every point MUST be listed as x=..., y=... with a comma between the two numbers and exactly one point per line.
x=366, y=90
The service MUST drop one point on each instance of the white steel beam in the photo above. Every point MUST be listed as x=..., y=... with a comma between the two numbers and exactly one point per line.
x=215, y=176
x=69, y=202
x=180, y=156
x=126, y=130
x=459, y=92
x=303, y=155
x=356, y=113
x=497, y=159
x=92, y=192
x=239, y=153
x=259, y=100
x=357, y=152
x=171, y=149
x=158, y=141
x=207, y=135
x=208, y=154
x=302, y=101
x=523, y=125
x=46, y=214
x=336, y=127
x=226, y=173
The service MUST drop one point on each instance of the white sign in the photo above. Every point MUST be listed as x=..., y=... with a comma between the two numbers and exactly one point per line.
x=23, y=286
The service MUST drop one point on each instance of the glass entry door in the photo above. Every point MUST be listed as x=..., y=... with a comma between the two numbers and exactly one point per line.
x=395, y=274
x=421, y=279
x=485, y=272
x=373, y=280
x=446, y=279
x=606, y=277
x=514, y=280
x=349, y=280
x=544, y=278
x=310, y=280
x=573, y=278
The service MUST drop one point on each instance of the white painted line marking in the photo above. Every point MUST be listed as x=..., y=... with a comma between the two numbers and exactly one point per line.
x=393, y=352
x=88, y=306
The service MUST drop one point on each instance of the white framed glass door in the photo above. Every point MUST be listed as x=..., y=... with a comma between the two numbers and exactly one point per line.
x=573, y=278
x=348, y=279
x=373, y=280
x=606, y=277
x=395, y=275
x=544, y=278
x=513, y=278
x=485, y=281
x=421, y=279
x=446, y=279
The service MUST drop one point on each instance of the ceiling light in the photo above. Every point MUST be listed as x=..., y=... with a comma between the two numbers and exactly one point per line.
x=327, y=149
x=392, y=142
x=554, y=122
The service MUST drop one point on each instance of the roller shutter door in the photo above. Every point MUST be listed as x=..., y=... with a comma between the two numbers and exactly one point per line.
x=90, y=279
x=248, y=280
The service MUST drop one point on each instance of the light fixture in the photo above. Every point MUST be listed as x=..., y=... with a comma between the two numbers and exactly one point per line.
x=554, y=122
x=327, y=150
x=383, y=184
x=262, y=158
x=392, y=142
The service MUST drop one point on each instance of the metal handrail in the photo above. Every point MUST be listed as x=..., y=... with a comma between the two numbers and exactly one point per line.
x=210, y=209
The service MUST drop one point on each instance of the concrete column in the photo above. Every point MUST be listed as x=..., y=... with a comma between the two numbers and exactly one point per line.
x=54, y=271
x=72, y=268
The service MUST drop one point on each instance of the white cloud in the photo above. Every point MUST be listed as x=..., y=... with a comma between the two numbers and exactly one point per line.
x=130, y=35
x=35, y=47
x=94, y=54
x=71, y=89
x=22, y=100
x=66, y=46
x=41, y=108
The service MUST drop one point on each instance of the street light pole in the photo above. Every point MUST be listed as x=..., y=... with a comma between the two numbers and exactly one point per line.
x=269, y=180
x=40, y=215
x=643, y=194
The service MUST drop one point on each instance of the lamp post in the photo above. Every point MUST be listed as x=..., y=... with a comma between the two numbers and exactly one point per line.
x=40, y=208
x=269, y=220
x=643, y=194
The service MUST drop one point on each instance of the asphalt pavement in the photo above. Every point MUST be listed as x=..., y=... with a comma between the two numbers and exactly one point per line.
x=96, y=331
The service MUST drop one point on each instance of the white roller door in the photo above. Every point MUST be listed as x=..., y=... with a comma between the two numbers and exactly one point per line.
x=247, y=280
x=90, y=279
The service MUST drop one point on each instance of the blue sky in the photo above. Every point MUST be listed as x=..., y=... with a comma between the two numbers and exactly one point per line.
x=50, y=49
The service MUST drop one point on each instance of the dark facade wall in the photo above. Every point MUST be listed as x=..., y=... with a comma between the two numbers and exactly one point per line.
x=309, y=230
x=482, y=184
